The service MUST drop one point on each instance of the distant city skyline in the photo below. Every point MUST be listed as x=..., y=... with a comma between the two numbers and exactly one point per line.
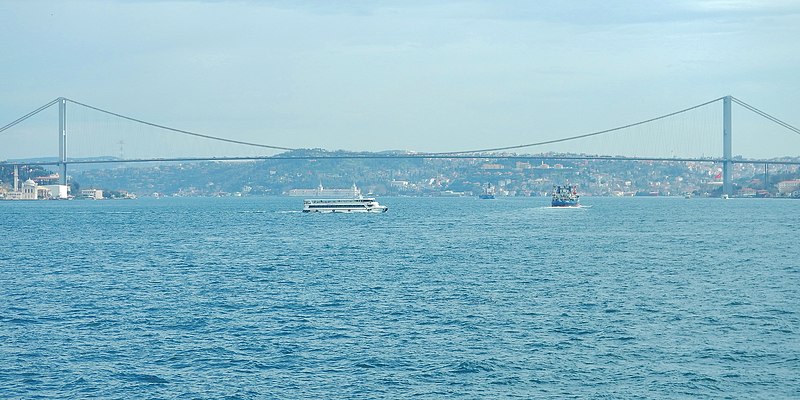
x=411, y=75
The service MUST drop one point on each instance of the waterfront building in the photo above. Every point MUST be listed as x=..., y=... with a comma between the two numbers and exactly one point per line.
x=57, y=191
x=787, y=187
x=92, y=194
x=29, y=190
x=353, y=192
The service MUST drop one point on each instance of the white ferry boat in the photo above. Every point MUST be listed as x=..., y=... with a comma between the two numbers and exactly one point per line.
x=360, y=204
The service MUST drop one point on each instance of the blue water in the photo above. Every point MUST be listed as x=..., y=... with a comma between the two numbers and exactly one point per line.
x=438, y=298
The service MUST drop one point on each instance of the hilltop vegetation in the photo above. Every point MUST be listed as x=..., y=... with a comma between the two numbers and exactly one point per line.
x=25, y=173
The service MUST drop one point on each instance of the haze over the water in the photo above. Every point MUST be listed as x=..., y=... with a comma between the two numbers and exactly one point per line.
x=416, y=75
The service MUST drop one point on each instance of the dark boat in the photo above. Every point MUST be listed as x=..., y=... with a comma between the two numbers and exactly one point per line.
x=565, y=196
x=488, y=192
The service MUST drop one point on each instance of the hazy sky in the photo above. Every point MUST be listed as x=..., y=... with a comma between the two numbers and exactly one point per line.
x=418, y=75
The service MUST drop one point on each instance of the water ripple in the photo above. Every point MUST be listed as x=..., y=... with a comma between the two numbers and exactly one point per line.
x=438, y=298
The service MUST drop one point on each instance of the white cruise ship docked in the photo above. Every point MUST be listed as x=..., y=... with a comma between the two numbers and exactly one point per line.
x=360, y=204
x=322, y=192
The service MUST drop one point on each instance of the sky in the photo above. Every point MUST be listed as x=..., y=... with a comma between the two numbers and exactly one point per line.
x=411, y=75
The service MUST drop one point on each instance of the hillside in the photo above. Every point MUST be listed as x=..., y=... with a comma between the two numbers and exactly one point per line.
x=523, y=176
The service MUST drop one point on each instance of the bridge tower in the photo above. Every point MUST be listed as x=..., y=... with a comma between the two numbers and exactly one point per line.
x=727, y=160
x=62, y=138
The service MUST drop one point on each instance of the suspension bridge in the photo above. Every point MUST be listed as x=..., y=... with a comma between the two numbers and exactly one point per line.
x=704, y=138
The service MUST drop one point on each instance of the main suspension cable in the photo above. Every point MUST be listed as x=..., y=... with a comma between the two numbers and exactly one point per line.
x=221, y=139
x=578, y=136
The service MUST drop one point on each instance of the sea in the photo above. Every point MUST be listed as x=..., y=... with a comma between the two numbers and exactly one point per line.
x=439, y=298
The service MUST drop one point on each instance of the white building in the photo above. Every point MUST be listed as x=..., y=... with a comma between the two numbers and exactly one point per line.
x=787, y=187
x=399, y=184
x=57, y=191
x=29, y=191
x=353, y=192
x=92, y=194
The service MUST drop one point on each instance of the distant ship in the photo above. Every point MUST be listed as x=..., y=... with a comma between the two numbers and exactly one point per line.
x=565, y=196
x=488, y=192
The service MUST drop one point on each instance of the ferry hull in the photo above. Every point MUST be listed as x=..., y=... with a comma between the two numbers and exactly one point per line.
x=348, y=210
x=560, y=203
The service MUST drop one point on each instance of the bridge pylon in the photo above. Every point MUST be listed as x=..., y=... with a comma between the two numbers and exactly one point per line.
x=727, y=159
x=62, y=138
